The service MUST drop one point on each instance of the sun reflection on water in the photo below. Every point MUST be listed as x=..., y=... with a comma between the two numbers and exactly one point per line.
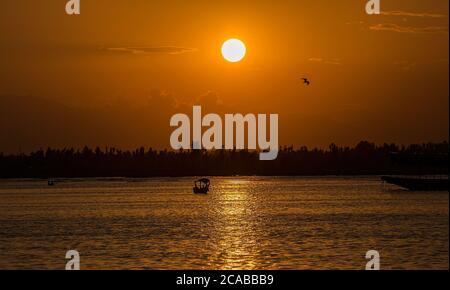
x=235, y=231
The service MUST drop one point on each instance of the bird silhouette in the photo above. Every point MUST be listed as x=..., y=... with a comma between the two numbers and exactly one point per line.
x=306, y=81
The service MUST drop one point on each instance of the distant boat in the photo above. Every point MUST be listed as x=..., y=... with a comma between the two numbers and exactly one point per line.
x=424, y=163
x=51, y=182
x=201, y=186
x=421, y=183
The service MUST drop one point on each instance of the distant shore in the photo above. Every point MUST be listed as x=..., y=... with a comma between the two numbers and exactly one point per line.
x=114, y=178
x=363, y=159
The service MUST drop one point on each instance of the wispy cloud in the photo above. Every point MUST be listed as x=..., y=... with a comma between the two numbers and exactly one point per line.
x=408, y=29
x=405, y=65
x=333, y=61
x=354, y=22
x=413, y=14
x=152, y=50
x=441, y=60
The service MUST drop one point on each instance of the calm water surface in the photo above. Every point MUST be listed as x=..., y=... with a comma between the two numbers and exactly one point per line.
x=244, y=223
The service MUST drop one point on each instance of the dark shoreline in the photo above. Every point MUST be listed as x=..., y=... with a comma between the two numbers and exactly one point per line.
x=363, y=159
x=216, y=176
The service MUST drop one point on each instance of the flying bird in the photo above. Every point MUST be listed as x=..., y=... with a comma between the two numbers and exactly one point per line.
x=306, y=81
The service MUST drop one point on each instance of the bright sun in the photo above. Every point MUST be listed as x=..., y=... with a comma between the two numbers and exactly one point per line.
x=233, y=50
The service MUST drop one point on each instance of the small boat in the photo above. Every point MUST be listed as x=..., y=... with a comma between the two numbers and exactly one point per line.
x=51, y=183
x=422, y=163
x=201, y=186
x=421, y=183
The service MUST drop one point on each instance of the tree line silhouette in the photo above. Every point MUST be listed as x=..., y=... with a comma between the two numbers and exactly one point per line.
x=364, y=159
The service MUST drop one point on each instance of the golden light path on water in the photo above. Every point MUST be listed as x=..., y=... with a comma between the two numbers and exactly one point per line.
x=235, y=240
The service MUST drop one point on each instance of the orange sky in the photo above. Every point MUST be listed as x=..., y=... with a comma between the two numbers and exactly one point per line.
x=115, y=74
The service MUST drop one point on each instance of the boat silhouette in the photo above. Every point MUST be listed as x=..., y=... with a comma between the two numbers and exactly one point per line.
x=420, y=183
x=201, y=186
x=423, y=182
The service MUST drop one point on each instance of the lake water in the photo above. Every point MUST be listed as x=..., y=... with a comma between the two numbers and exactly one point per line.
x=244, y=223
